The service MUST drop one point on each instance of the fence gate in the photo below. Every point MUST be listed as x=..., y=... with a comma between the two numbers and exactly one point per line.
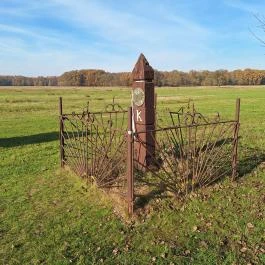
x=93, y=144
x=193, y=152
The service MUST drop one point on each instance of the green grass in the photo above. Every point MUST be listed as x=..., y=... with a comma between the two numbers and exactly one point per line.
x=49, y=216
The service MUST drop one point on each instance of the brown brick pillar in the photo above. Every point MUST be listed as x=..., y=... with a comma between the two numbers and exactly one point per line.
x=143, y=98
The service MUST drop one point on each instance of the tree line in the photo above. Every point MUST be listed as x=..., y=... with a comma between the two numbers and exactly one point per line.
x=162, y=78
x=28, y=81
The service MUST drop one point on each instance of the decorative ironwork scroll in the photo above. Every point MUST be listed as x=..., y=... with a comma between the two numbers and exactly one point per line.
x=194, y=152
x=94, y=144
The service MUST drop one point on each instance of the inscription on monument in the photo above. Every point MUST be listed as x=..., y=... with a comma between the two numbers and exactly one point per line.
x=138, y=115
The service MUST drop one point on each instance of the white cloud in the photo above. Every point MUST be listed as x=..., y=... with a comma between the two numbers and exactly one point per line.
x=31, y=33
x=113, y=38
x=164, y=30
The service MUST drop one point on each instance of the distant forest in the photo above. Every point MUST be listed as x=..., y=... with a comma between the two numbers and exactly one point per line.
x=162, y=78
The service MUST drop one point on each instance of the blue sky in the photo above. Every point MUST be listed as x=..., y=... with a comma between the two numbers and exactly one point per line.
x=52, y=36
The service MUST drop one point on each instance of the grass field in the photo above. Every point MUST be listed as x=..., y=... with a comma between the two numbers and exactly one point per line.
x=49, y=216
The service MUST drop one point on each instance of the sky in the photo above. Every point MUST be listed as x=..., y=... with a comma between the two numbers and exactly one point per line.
x=49, y=37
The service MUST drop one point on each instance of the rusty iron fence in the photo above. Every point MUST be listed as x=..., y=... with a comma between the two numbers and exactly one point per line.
x=194, y=151
x=93, y=145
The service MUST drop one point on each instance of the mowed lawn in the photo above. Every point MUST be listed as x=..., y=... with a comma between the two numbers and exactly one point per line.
x=49, y=216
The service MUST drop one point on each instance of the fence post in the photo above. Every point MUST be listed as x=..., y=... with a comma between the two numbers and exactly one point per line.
x=235, y=141
x=62, y=161
x=130, y=182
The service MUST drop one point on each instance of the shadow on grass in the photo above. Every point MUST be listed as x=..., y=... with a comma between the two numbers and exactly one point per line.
x=142, y=200
x=29, y=139
x=249, y=160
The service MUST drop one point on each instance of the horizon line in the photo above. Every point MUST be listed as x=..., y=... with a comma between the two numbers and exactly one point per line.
x=118, y=72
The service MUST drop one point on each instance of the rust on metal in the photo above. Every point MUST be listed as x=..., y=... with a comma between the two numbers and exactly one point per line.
x=61, y=132
x=95, y=143
x=195, y=151
x=130, y=185
x=235, y=143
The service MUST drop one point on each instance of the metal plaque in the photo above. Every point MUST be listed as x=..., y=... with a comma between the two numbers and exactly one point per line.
x=138, y=96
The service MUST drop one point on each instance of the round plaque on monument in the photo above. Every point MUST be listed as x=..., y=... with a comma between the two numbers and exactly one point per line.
x=138, y=96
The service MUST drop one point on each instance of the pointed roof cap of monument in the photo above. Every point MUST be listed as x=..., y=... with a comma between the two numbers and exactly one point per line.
x=142, y=70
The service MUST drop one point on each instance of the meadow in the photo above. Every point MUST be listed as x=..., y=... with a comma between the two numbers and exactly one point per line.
x=50, y=216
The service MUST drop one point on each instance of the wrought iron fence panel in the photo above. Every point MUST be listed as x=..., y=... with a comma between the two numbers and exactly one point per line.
x=194, y=152
x=94, y=145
